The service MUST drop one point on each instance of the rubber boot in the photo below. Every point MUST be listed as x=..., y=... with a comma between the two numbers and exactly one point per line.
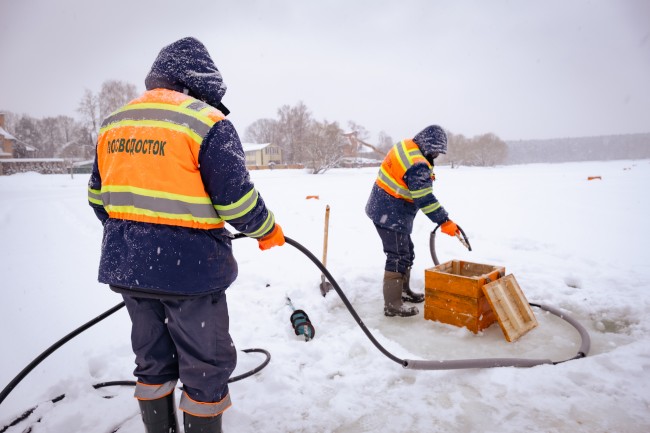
x=407, y=294
x=393, y=306
x=202, y=424
x=159, y=416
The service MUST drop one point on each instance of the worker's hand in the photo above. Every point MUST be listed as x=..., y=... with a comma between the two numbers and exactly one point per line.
x=449, y=228
x=273, y=239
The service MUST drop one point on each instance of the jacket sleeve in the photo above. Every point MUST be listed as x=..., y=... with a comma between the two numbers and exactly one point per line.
x=418, y=180
x=227, y=182
x=94, y=193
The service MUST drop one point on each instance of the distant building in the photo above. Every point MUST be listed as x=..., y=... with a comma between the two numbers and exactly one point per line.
x=9, y=144
x=358, y=153
x=357, y=148
x=262, y=154
x=7, y=141
x=11, y=164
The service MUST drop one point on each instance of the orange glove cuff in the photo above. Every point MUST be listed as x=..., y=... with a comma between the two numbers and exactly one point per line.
x=273, y=239
x=449, y=228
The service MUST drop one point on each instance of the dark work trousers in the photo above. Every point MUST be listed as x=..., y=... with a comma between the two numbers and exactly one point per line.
x=184, y=339
x=398, y=248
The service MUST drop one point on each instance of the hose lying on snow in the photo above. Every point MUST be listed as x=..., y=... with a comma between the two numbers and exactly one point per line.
x=40, y=358
x=16, y=380
x=449, y=364
x=407, y=363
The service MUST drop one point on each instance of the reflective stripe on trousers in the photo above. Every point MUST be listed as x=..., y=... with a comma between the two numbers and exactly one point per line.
x=183, y=339
x=144, y=391
x=202, y=409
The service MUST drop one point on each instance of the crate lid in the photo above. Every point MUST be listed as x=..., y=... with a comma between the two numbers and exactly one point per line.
x=510, y=306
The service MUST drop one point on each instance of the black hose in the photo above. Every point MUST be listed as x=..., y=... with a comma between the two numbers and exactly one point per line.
x=20, y=376
x=446, y=364
x=432, y=243
x=231, y=380
x=432, y=246
x=16, y=380
x=5, y=392
x=256, y=369
x=29, y=411
x=345, y=300
x=411, y=364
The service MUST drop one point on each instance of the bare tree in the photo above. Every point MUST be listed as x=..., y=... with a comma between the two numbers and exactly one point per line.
x=262, y=131
x=28, y=134
x=73, y=139
x=324, y=146
x=457, y=148
x=293, y=128
x=93, y=108
x=384, y=142
x=483, y=150
x=361, y=132
x=89, y=111
x=358, y=138
x=113, y=95
x=489, y=150
x=50, y=137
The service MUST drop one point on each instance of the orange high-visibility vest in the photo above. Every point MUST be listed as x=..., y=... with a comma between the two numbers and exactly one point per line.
x=147, y=155
x=391, y=173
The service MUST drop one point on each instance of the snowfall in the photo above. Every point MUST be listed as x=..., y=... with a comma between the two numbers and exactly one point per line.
x=576, y=244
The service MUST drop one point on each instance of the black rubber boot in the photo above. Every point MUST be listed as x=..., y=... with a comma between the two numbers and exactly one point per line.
x=159, y=416
x=407, y=294
x=201, y=424
x=393, y=306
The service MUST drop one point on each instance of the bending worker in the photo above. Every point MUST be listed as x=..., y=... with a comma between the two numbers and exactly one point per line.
x=404, y=185
x=169, y=172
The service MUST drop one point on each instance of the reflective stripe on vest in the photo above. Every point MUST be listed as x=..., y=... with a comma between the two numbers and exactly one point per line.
x=160, y=205
x=240, y=208
x=153, y=392
x=148, y=160
x=201, y=409
x=265, y=228
x=391, y=173
x=182, y=119
x=94, y=196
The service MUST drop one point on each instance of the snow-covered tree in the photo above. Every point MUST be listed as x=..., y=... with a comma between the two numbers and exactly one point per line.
x=324, y=146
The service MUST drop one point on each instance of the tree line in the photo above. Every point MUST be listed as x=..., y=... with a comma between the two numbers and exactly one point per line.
x=484, y=150
x=64, y=136
x=319, y=145
x=316, y=144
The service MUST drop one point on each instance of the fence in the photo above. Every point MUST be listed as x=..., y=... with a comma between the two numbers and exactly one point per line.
x=274, y=166
x=38, y=165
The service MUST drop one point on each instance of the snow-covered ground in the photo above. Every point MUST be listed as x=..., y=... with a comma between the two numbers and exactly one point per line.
x=575, y=244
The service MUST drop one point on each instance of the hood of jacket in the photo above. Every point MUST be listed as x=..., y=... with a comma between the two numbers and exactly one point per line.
x=431, y=140
x=186, y=66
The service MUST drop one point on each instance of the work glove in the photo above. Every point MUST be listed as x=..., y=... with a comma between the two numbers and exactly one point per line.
x=449, y=228
x=273, y=239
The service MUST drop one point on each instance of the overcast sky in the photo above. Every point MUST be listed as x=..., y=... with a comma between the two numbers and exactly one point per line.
x=520, y=69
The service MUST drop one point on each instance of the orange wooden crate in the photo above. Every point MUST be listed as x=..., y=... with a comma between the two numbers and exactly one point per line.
x=454, y=295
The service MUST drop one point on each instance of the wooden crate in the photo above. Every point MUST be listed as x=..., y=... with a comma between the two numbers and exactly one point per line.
x=512, y=310
x=454, y=295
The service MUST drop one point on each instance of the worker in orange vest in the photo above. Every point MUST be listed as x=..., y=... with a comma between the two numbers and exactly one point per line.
x=169, y=172
x=404, y=186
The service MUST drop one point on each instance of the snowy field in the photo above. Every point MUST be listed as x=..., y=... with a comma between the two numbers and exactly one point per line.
x=578, y=245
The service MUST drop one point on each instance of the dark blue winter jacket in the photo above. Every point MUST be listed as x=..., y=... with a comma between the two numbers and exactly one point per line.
x=398, y=214
x=157, y=259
